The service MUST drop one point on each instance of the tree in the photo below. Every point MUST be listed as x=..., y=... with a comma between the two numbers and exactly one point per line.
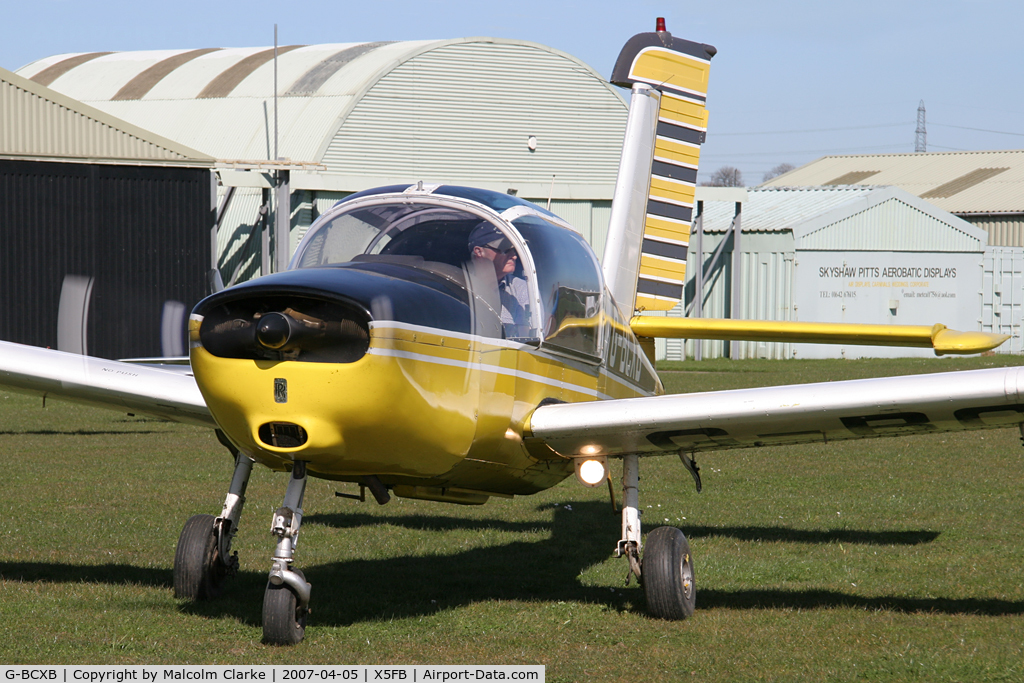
x=726, y=176
x=777, y=171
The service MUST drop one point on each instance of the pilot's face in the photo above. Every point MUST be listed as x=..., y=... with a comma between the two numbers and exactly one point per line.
x=504, y=260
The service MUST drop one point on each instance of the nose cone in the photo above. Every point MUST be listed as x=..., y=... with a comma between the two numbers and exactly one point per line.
x=273, y=331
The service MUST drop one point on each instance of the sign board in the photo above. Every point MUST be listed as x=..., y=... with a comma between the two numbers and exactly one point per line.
x=885, y=288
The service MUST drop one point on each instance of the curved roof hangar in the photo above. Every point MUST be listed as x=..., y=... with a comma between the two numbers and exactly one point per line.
x=452, y=110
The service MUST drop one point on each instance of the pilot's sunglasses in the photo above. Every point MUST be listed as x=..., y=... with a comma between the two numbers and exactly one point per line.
x=507, y=252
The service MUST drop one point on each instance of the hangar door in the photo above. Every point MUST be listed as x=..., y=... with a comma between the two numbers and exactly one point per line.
x=139, y=234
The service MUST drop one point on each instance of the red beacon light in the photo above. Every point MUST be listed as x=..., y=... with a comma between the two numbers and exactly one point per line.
x=660, y=25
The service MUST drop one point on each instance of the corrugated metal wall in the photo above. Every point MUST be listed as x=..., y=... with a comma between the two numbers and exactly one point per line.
x=453, y=112
x=141, y=232
x=1003, y=231
x=1003, y=295
x=767, y=284
x=239, y=242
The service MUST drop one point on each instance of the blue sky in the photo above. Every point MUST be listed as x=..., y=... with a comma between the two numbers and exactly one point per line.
x=792, y=81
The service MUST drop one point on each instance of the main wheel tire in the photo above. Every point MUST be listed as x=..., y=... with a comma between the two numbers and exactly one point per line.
x=284, y=622
x=197, y=568
x=667, y=573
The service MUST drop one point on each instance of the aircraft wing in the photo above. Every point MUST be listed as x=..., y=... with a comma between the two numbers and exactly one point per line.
x=171, y=394
x=798, y=413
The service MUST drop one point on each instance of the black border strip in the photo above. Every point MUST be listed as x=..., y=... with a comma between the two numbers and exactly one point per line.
x=690, y=95
x=681, y=133
x=680, y=213
x=668, y=290
x=652, y=247
x=666, y=169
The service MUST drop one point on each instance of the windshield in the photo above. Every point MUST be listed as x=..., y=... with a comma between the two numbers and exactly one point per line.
x=475, y=254
x=570, y=286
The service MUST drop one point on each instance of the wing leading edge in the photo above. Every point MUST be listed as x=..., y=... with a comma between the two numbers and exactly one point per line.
x=168, y=394
x=799, y=413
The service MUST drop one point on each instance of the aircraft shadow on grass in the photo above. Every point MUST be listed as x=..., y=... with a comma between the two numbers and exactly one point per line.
x=80, y=432
x=353, y=591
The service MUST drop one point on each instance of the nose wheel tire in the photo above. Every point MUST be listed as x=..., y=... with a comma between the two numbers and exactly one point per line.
x=284, y=621
x=198, y=572
x=667, y=572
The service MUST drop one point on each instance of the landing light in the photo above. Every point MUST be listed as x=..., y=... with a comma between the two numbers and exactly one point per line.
x=591, y=471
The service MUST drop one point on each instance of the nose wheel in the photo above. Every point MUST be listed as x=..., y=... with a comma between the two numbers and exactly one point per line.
x=284, y=617
x=286, y=599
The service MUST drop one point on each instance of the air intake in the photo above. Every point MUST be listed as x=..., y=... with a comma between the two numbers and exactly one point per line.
x=282, y=435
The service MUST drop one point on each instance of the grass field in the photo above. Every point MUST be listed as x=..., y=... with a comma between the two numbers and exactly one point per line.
x=871, y=560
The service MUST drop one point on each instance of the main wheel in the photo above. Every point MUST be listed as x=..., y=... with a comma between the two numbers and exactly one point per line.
x=198, y=572
x=284, y=622
x=667, y=573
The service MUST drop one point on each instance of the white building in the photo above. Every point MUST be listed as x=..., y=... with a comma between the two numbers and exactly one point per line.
x=842, y=254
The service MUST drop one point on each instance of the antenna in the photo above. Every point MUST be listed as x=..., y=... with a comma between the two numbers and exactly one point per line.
x=921, y=134
x=275, y=92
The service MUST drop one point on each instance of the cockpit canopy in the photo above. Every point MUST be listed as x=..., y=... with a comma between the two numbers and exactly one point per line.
x=524, y=273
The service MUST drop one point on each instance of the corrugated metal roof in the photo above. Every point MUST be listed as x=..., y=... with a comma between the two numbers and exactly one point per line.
x=848, y=218
x=968, y=182
x=464, y=106
x=778, y=210
x=39, y=123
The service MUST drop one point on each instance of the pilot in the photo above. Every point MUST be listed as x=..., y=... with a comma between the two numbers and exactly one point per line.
x=488, y=245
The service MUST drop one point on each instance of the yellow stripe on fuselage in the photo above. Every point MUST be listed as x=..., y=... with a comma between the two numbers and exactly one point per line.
x=530, y=364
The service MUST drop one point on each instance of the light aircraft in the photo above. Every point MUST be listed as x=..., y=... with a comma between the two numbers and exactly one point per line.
x=452, y=344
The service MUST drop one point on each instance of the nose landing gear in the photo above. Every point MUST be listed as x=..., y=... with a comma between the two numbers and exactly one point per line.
x=203, y=558
x=286, y=599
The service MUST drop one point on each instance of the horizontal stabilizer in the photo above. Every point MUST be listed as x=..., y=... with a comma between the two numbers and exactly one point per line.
x=938, y=337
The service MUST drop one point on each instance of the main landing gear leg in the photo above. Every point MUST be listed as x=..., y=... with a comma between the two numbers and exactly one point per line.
x=666, y=571
x=203, y=557
x=286, y=600
x=629, y=545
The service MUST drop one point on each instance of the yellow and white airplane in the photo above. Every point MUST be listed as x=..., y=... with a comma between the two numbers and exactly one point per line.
x=451, y=344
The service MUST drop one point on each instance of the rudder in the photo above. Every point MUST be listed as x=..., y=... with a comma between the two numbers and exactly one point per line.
x=651, y=274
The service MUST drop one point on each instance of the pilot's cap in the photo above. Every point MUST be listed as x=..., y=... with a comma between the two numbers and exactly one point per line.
x=486, y=235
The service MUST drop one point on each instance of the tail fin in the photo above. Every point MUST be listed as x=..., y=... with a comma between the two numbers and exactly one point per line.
x=649, y=230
